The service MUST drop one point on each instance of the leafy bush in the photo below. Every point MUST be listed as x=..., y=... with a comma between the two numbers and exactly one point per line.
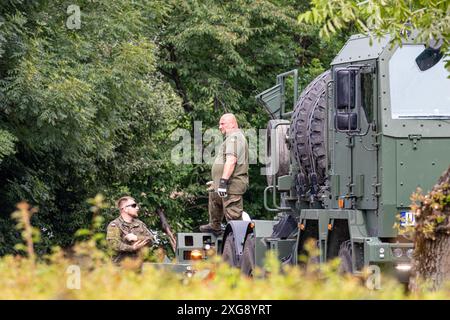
x=54, y=276
x=91, y=110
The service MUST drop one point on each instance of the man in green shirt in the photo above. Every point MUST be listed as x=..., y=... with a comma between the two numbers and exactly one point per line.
x=230, y=176
x=126, y=235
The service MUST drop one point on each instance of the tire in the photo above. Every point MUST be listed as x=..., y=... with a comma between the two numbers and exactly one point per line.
x=280, y=148
x=248, y=256
x=345, y=255
x=308, y=128
x=229, y=251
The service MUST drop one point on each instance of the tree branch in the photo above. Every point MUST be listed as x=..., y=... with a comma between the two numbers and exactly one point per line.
x=166, y=228
x=174, y=75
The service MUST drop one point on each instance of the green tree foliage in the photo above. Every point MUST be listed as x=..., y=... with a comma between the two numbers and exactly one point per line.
x=7, y=144
x=87, y=107
x=430, y=17
x=91, y=110
x=219, y=54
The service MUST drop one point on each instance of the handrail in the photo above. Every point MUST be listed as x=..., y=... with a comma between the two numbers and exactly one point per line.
x=274, y=181
x=265, y=200
x=281, y=80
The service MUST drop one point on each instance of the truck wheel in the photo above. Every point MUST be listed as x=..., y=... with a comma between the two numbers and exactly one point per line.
x=308, y=129
x=345, y=254
x=277, y=140
x=248, y=256
x=229, y=251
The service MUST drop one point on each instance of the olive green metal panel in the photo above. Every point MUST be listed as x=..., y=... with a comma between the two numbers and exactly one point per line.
x=388, y=171
x=420, y=164
x=262, y=230
x=335, y=185
x=374, y=254
x=285, y=183
x=354, y=161
x=272, y=101
x=357, y=225
x=365, y=163
x=341, y=164
x=359, y=234
x=406, y=165
x=356, y=220
x=359, y=47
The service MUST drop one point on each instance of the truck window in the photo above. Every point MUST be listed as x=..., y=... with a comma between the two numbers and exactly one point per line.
x=367, y=95
x=415, y=93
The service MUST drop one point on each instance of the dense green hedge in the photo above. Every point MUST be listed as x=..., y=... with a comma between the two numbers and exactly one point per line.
x=90, y=110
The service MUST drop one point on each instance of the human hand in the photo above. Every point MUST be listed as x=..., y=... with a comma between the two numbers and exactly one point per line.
x=210, y=186
x=140, y=243
x=131, y=237
x=223, y=186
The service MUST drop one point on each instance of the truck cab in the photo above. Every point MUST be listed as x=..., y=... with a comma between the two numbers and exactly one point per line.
x=363, y=137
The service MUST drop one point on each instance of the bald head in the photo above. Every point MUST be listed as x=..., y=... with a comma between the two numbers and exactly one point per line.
x=228, y=123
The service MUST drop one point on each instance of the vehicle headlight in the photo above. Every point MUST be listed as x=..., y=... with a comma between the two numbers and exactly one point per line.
x=409, y=253
x=403, y=267
x=398, y=252
x=196, y=255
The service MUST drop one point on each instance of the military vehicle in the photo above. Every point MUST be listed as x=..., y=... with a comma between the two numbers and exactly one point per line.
x=344, y=161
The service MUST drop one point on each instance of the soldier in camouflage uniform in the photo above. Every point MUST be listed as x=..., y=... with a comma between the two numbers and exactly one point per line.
x=126, y=235
x=230, y=176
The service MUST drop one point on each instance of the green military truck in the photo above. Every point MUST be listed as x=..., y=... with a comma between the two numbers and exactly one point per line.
x=344, y=161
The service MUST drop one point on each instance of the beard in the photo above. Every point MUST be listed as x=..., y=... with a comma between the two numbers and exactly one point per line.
x=133, y=214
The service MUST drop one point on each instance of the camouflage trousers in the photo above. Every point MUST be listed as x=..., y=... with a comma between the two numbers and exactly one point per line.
x=231, y=207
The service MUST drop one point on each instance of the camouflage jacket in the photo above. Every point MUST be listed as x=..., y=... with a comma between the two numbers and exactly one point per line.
x=115, y=236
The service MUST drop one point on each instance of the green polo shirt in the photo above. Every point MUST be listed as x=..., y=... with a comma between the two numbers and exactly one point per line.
x=234, y=144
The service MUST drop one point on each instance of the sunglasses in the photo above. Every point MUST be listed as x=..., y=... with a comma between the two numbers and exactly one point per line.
x=134, y=205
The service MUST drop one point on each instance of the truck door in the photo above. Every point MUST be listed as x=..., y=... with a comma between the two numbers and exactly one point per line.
x=355, y=148
x=365, y=148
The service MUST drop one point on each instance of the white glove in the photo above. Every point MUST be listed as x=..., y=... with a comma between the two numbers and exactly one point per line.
x=223, y=186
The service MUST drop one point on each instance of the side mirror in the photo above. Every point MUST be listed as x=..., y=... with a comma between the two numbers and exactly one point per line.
x=347, y=100
x=345, y=89
x=347, y=121
x=428, y=58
